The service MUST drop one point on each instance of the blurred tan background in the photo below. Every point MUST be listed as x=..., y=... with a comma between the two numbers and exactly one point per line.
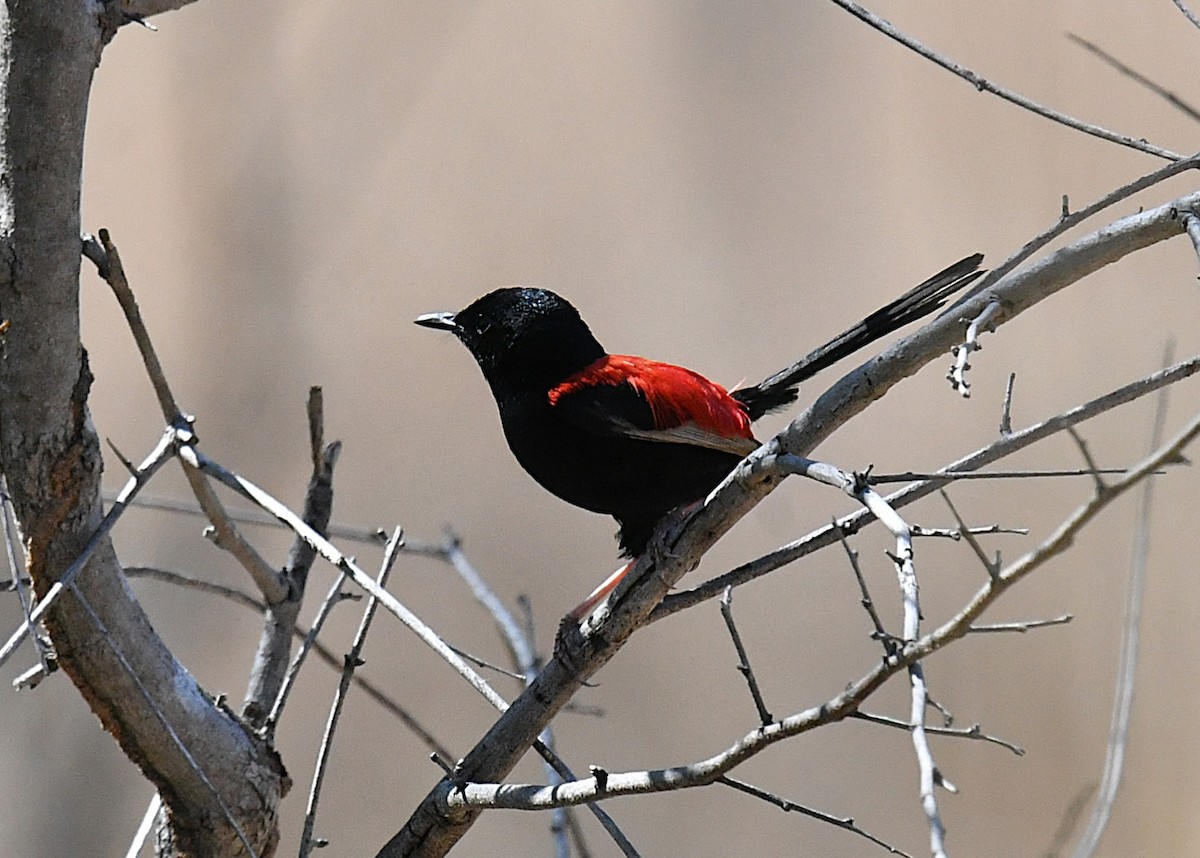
x=718, y=185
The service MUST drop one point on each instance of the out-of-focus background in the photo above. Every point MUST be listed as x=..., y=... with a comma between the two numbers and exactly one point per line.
x=717, y=185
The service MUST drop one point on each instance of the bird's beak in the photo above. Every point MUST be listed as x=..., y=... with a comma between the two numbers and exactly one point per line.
x=441, y=321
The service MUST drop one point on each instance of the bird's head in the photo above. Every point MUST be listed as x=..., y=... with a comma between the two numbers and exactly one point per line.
x=521, y=334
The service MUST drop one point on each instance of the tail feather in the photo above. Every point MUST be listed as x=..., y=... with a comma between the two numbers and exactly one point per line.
x=780, y=390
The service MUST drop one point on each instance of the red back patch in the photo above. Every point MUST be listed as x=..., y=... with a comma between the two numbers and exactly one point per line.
x=675, y=395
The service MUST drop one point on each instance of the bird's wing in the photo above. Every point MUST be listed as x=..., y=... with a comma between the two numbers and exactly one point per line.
x=652, y=401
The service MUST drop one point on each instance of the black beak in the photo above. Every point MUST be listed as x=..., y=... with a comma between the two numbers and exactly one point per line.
x=440, y=321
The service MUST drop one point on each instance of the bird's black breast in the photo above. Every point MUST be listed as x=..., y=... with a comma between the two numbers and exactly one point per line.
x=604, y=472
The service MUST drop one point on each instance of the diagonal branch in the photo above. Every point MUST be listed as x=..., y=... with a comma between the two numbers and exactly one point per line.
x=225, y=534
x=984, y=85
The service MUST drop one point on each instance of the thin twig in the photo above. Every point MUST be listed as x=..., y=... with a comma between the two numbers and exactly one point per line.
x=1191, y=225
x=845, y=823
x=992, y=566
x=1022, y=627
x=520, y=647
x=484, y=664
x=365, y=535
x=906, y=574
x=941, y=709
x=279, y=619
x=352, y=660
x=333, y=597
x=955, y=476
x=880, y=634
x=956, y=533
x=1006, y=410
x=1093, y=469
x=1118, y=734
x=743, y=665
x=1162, y=92
x=962, y=352
x=973, y=732
x=1009, y=95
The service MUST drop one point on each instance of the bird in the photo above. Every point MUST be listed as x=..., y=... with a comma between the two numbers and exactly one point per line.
x=624, y=435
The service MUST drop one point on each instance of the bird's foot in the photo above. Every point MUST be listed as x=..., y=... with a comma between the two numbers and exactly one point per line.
x=569, y=644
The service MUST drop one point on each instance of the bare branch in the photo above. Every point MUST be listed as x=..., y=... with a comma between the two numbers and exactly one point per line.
x=906, y=572
x=845, y=823
x=1022, y=627
x=962, y=352
x=973, y=732
x=144, y=827
x=164, y=720
x=352, y=660
x=1006, y=410
x=465, y=796
x=1018, y=291
x=880, y=634
x=1118, y=735
x=681, y=541
x=743, y=665
x=1192, y=224
x=992, y=566
x=1093, y=468
x=956, y=476
x=1163, y=93
x=345, y=565
x=956, y=533
x=520, y=647
x=365, y=535
x=984, y=85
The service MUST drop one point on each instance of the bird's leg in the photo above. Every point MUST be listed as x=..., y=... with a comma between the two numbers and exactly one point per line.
x=600, y=593
x=569, y=642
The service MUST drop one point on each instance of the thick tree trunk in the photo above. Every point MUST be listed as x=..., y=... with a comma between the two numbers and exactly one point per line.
x=192, y=749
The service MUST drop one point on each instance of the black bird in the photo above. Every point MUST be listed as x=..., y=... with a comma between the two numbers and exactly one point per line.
x=624, y=435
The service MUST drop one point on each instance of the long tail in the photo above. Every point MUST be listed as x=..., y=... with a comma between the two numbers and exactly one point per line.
x=780, y=389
